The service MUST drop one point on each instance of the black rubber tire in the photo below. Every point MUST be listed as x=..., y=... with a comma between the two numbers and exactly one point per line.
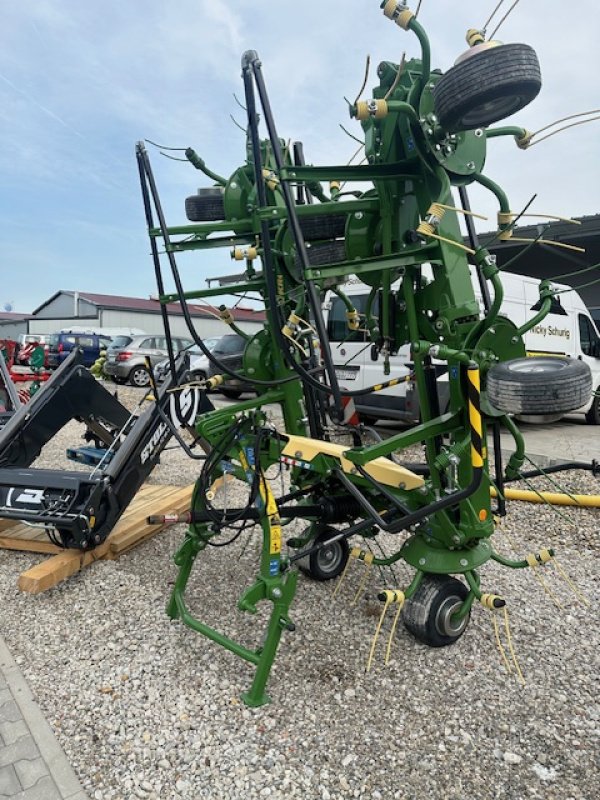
x=324, y=226
x=206, y=206
x=367, y=420
x=136, y=377
x=487, y=87
x=232, y=394
x=427, y=613
x=329, y=561
x=197, y=375
x=539, y=385
x=593, y=415
x=324, y=253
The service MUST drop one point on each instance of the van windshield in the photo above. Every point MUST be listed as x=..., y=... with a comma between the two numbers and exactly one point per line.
x=53, y=339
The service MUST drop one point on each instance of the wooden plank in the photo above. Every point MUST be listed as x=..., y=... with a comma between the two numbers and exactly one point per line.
x=56, y=569
x=33, y=546
x=126, y=534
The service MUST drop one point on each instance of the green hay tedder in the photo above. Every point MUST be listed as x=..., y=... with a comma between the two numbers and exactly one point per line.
x=425, y=134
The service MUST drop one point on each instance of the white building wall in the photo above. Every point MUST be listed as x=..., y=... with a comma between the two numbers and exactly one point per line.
x=149, y=323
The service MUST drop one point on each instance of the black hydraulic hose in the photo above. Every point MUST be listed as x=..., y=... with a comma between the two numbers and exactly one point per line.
x=180, y=292
x=251, y=61
x=155, y=256
x=397, y=525
x=593, y=467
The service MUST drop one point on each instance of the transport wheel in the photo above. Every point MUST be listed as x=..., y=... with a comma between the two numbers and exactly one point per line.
x=539, y=385
x=593, y=415
x=324, y=253
x=139, y=376
x=487, y=86
x=206, y=206
x=232, y=394
x=428, y=613
x=328, y=562
x=324, y=226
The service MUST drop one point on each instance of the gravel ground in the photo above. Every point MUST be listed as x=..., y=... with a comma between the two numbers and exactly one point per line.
x=146, y=708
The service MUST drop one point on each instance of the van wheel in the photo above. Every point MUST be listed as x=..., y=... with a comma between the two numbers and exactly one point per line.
x=539, y=385
x=139, y=376
x=593, y=415
x=487, y=86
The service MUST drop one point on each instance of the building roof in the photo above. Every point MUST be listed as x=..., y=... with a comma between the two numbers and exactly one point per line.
x=13, y=316
x=149, y=305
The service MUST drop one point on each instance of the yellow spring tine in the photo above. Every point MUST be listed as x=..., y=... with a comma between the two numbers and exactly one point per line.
x=376, y=636
x=511, y=648
x=576, y=591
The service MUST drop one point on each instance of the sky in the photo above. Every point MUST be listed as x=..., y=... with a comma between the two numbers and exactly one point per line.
x=81, y=82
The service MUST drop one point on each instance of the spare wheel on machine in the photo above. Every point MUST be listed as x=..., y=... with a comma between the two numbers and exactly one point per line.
x=539, y=385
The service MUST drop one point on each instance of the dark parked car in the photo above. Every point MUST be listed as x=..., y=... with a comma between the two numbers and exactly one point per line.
x=229, y=350
x=61, y=344
x=128, y=362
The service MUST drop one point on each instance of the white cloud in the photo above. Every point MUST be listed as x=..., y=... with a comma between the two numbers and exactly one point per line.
x=82, y=82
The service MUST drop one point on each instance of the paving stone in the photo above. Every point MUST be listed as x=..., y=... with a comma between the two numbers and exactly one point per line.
x=9, y=782
x=30, y=771
x=3, y=683
x=11, y=731
x=44, y=789
x=5, y=695
x=9, y=711
x=22, y=748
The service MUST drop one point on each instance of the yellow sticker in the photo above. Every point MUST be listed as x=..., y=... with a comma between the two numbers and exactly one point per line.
x=275, y=539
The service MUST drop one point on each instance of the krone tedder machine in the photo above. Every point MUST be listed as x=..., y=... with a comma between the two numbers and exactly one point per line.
x=425, y=133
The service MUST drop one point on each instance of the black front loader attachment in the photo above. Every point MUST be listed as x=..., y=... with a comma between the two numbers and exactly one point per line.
x=79, y=508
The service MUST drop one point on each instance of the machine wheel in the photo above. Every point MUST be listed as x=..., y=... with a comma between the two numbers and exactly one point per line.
x=487, y=86
x=139, y=376
x=324, y=226
x=206, y=206
x=428, y=613
x=232, y=394
x=324, y=253
x=539, y=385
x=593, y=415
x=328, y=562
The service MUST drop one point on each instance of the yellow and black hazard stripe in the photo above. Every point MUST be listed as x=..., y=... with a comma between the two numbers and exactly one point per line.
x=473, y=394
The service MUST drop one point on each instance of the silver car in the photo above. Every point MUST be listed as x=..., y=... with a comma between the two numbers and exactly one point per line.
x=128, y=363
x=199, y=364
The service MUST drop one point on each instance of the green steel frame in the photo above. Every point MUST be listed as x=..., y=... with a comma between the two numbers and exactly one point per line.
x=404, y=217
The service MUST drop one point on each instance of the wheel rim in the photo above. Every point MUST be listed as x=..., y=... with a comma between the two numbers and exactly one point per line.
x=329, y=557
x=140, y=377
x=531, y=365
x=444, y=623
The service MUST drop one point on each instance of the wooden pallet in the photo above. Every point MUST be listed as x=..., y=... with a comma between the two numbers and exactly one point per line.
x=130, y=530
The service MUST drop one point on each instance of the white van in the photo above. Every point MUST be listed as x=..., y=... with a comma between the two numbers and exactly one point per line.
x=568, y=330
